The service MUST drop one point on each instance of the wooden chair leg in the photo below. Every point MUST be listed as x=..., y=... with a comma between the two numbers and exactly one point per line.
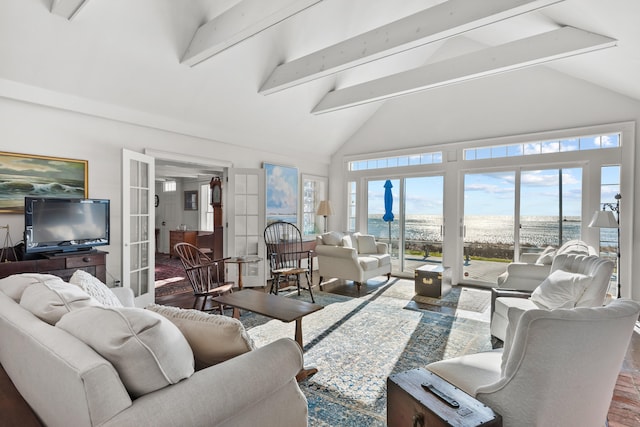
x=310, y=285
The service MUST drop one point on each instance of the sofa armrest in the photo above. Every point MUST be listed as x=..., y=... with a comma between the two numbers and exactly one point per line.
x=216, y=394
x=382, y=248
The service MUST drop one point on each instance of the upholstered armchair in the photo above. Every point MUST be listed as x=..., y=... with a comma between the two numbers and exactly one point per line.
x=574, y=281
x=557, y=368
x=356, y=257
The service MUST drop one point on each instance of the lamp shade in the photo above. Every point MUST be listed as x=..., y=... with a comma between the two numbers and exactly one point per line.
x=603, y=219
x=324, y=208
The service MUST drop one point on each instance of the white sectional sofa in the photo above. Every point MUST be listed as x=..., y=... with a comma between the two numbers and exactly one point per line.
x=575, y=281
x=533, y=268
x=357, y=257
x=78, y=362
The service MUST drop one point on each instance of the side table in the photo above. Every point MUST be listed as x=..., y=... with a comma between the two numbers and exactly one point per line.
x=409, y=404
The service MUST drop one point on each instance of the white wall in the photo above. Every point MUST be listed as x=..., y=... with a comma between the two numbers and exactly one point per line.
x=32, y=129
x=521, y=102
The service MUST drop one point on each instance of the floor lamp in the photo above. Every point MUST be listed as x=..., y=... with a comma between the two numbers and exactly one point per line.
x=606, y=219
x=324, y=209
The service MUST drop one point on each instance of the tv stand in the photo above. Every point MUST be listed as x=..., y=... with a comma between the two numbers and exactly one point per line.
x=62, y=264
x=68, y=253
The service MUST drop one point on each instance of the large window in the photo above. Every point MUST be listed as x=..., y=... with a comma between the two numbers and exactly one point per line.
x=544, y=193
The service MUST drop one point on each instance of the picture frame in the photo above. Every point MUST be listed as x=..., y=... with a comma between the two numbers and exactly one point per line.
x=191, y=200
x=282, y=184
x=32, y=175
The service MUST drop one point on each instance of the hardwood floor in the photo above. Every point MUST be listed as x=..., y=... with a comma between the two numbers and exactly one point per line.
x=625, y=406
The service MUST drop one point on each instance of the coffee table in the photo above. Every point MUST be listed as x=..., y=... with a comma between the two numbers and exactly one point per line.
x=275, y=307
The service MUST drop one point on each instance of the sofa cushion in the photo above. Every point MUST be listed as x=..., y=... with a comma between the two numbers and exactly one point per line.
x=367, y=244
x=94, y=287
x=213, y=338
x=562, y=289
x=383, y=259
x=14, y=285
x=368, y=263
x=347, y=242
x=332, y=238
x=546, y=256
x=148, y=351
x=51, y=299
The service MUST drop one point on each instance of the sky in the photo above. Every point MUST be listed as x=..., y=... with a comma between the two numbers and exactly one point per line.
x=494, y=193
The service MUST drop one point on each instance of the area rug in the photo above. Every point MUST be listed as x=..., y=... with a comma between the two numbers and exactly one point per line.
x=461, y=298
x=170, y=278
x=356, y=343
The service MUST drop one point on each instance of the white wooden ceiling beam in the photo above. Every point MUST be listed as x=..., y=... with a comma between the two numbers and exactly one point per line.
x=448, y=19
x=246, y=19
x=67, y=8
x=546, y=47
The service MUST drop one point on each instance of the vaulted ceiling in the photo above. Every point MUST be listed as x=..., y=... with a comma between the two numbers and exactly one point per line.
x=294, y=75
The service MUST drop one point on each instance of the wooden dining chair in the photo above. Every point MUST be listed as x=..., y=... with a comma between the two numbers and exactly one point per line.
x=285, y=254
x=205, y=274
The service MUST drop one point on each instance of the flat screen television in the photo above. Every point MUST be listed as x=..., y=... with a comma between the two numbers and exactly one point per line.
x=65, y=225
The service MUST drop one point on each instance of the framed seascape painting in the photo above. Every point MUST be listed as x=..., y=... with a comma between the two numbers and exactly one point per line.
x=39, y=176
x=282, y=193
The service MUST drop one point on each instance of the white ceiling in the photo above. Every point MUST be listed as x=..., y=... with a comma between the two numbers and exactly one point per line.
x=121, y=59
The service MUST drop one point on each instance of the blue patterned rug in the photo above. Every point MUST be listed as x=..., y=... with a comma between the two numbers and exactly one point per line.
x=356, y=343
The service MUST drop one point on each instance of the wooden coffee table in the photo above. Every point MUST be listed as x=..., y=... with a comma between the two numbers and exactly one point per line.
x=275, y=307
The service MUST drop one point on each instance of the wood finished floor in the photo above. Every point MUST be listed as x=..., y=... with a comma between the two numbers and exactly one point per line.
x=625, y=406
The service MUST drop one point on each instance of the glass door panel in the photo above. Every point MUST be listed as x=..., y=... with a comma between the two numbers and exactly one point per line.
x=423, y=222
x=138, y=250
x=415, y=234
x=550, y=208
x=488, y=225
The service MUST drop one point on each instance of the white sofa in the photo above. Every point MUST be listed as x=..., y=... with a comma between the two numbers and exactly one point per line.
x=574, y=281
x=68, y=383
x=557, y=368
x=533, y=268
x=357, y=257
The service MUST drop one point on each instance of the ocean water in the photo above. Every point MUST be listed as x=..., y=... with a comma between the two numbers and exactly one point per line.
x=537, y=231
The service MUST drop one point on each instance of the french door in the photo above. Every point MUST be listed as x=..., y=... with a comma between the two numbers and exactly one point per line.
x=138, y=225
x=416, y=233
x=511, y=212
x=246, y=222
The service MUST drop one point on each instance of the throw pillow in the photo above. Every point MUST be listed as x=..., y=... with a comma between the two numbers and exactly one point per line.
x=51, y=299
x=561, y=289
x=332, y=238
x=13, y=286
x=546, y=256
x=94, y=287
x=367, y=244
x=347, y=242
x=213, y=338
x=147, y=350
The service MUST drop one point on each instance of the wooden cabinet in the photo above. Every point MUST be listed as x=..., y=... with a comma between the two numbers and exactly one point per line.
x=62, y=265
x=411, y=404
x=179, y=236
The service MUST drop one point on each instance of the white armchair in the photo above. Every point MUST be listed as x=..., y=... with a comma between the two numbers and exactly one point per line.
x=558, y=368
x=574, y=281
x=357, y=257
